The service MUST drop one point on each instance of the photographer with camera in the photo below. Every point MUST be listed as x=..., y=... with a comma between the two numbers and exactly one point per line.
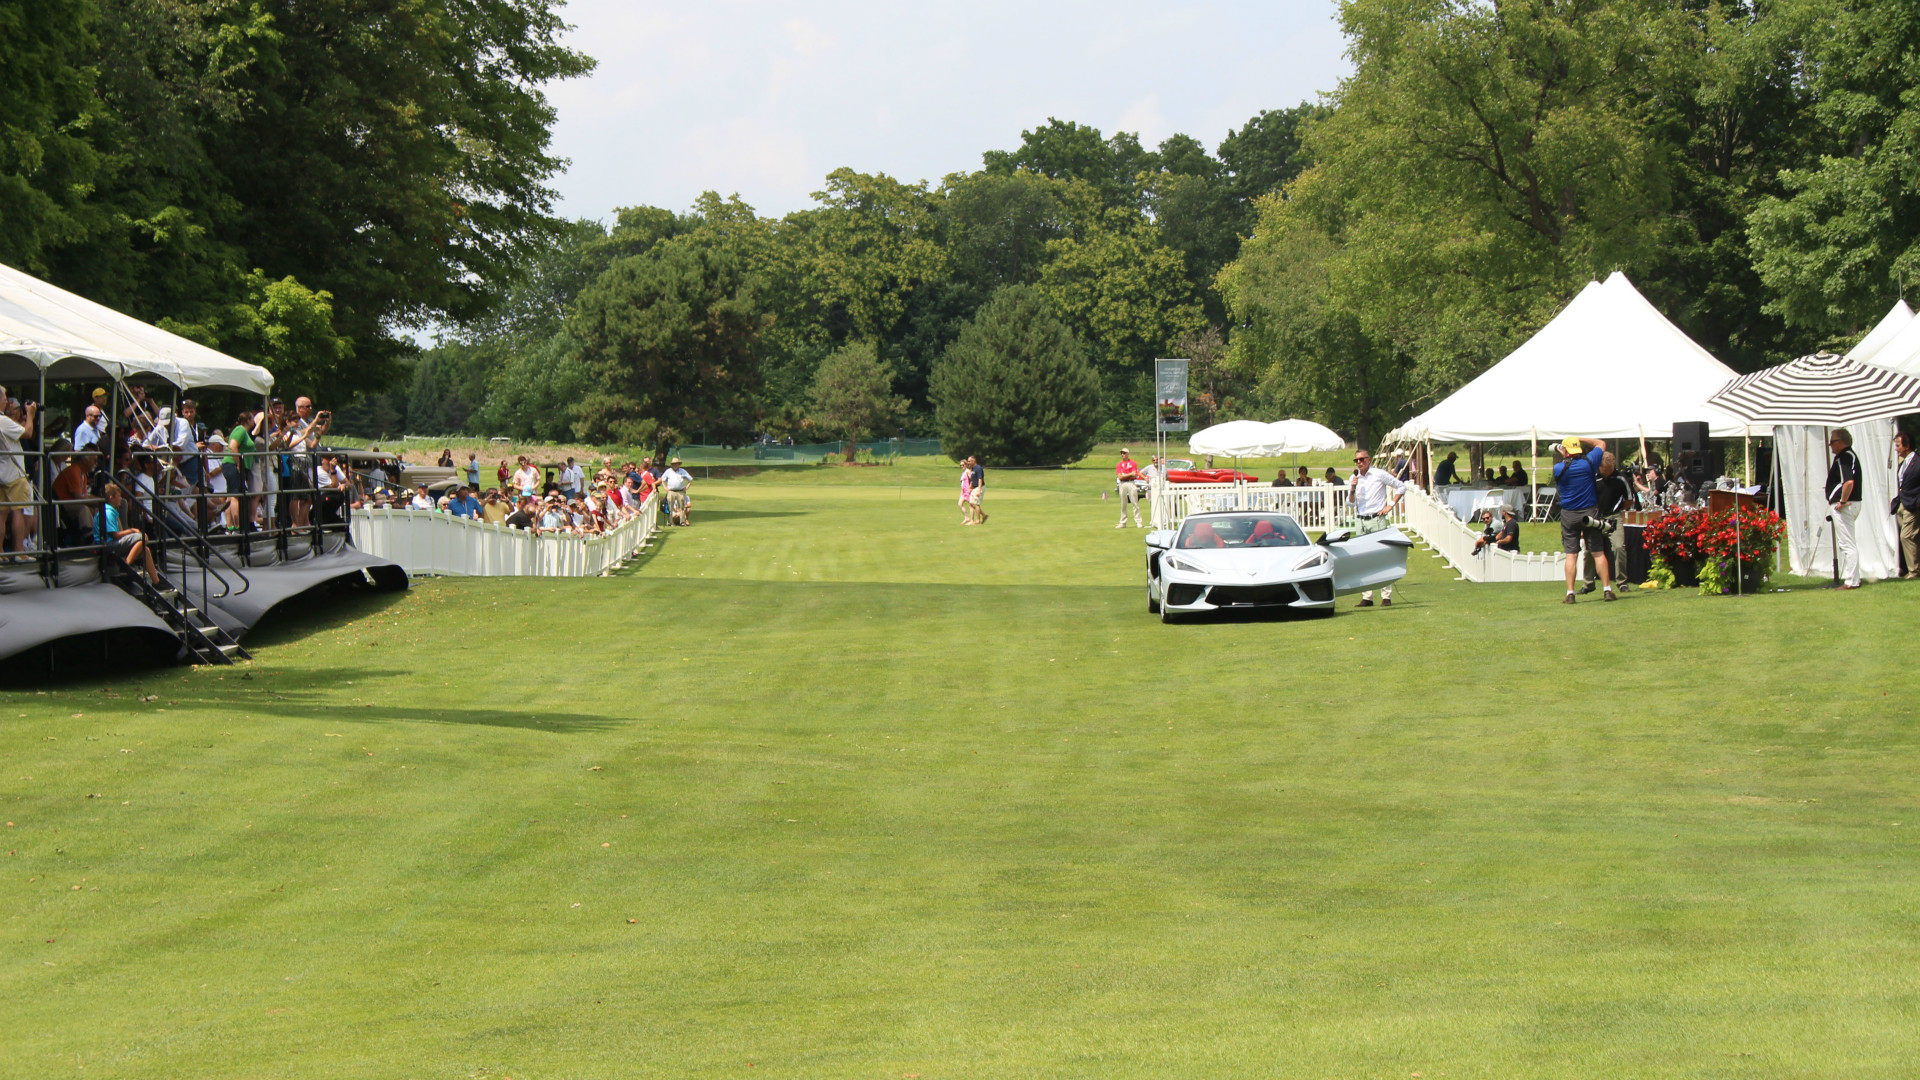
x=1614, y=497
x=1576, y=465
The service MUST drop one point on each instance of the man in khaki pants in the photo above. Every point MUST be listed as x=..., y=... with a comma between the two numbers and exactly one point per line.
x=1906, y=502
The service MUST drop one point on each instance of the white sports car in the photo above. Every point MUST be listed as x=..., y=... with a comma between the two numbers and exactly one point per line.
x=1237, y=560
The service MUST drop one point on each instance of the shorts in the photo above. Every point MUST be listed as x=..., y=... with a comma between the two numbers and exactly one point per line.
x=974, y=496
x=1578, y=525
x=122, y=546
x=17, y=491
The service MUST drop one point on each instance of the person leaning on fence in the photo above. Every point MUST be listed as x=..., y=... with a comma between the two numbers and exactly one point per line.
x=74, y=504
x=1505, y=536
x=1843, y=497
x=1576, y=465
x=1126, y=476
x=1371, y=508
x=1906, y=502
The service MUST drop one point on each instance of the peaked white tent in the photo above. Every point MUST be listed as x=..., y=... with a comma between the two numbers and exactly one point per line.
x=1894, y=343
x=1608, y=366
x=48, y=329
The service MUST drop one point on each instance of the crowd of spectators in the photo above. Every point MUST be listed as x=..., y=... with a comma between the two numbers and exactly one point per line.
x=267, y=468
x=561, y=501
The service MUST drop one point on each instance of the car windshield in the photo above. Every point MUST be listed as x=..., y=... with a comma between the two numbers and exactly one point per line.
x=1242, y=530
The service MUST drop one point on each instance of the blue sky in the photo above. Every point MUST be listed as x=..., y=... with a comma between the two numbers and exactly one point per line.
x=766, y=99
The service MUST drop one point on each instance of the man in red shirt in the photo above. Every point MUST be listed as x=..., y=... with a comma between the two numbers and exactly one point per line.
x=1127, y=475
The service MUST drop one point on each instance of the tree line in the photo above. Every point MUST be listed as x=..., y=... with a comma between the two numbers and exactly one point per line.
x=302, y=184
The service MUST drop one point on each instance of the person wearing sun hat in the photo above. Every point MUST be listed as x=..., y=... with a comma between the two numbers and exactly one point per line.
x=1576, y=464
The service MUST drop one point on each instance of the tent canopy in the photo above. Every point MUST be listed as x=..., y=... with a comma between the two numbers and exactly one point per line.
x=1253, y=439
x=1608, y=366
x=1898, y=344
x=1884, y=333
x=43, y=328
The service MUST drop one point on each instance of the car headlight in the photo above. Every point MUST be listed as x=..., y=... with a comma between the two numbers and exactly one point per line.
x=1181, y=564
x=1319, y=558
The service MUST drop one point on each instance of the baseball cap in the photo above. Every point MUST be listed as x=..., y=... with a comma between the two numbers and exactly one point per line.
x=1571, y=444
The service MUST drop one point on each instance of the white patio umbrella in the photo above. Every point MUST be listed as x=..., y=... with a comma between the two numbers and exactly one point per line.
x=1304, y=436
x=1237, y=439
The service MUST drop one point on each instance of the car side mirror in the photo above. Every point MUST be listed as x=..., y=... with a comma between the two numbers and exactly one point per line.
x=1335, y=536
x=1161, y=539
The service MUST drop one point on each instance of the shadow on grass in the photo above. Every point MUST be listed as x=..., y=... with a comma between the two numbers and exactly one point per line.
x=302, y=617
x=317, y=694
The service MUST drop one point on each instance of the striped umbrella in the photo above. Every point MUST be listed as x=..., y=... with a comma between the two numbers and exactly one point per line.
x=1819, y=389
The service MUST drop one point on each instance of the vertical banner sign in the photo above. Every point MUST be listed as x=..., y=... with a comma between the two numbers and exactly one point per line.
x=1170, y=395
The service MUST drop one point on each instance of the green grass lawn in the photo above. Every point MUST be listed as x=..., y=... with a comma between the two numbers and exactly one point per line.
x=829, y=786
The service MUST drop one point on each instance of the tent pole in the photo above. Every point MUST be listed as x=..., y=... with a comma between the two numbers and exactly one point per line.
x=1746, y=473
x=1533, y=472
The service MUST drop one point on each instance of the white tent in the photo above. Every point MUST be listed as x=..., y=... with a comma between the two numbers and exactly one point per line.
x=1608, y=366
x=1800, y=452
x=1237, y=439
x=43, y=328
x=1305, y=436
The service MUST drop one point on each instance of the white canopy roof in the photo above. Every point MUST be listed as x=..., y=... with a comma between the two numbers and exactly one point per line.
x=1886, y=332
x=1253, y=439
x=1236, y=438
x=1608, y=366
x=1898, y=346
x=43, y=328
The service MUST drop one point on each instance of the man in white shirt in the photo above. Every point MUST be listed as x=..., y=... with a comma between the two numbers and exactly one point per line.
x=572, y=480
x=88, y=434
x=1368, y=490
x=678, y=506
x=421, y=500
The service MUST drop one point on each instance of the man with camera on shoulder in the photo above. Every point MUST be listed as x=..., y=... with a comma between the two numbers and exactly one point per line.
x=1576, y=466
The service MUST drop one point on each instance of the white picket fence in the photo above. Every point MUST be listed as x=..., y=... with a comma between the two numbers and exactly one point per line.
x=1452, y=540
x=1325, y=506
x=433, y=542
x=1316, y=508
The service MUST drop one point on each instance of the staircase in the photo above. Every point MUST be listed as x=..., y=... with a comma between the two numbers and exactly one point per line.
x=202, y=639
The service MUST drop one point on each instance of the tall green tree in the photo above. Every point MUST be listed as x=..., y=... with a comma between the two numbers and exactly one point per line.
x=852, y=394
x=668, y=339
x=1841, y=238
x=1015, y=388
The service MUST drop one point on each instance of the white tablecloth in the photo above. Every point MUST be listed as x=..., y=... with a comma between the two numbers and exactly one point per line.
x=1466, y=502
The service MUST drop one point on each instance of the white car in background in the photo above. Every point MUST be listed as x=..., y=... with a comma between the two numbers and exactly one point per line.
x=1241, y=560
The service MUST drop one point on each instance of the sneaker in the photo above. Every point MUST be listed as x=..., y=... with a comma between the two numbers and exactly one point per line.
x=1608, y=596
x=1365, y=603
x=1122, y=525
x=1588, y=587
x=1569, y=599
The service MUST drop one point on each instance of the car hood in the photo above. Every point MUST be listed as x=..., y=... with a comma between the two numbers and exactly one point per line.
x=1247, y=562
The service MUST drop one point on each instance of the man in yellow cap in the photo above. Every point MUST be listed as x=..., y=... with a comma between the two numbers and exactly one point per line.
x=1575, y=466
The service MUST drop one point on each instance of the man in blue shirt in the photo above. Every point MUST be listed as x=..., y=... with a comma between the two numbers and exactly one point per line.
x=463, y=504
x=1576, y=462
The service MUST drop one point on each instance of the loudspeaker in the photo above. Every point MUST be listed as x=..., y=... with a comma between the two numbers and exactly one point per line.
x=1693, y=459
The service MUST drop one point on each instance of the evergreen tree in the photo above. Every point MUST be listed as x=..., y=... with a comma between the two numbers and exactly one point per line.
x=1015, y=388
x=852, y=393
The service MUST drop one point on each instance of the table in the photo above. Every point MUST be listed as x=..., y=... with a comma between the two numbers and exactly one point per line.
x=1466, y=502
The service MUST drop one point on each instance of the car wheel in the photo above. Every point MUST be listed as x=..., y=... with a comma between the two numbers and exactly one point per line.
x=1153, y=606
x=1168, y=616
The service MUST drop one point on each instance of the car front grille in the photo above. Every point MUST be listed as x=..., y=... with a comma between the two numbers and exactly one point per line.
x=1319, y=591
x=1181, y=595
x=1248, y=595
